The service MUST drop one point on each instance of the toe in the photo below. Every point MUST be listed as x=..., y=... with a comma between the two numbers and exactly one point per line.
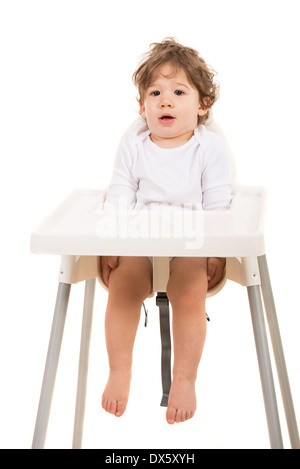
x=120, y=408
x=171, y=415
x=112, y=406
x=178, y=416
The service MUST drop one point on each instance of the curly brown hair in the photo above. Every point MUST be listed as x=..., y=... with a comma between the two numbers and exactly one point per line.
x=199, y=74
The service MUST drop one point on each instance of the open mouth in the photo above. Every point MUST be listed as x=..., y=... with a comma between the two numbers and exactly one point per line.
x=166, y=118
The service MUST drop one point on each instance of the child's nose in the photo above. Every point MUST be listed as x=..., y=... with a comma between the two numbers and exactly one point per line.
x=166, y=101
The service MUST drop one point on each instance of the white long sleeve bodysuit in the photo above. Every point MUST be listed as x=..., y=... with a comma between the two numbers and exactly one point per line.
x=195, y=175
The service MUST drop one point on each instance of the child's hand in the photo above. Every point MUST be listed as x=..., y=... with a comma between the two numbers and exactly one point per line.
x=215, y=269
x=108, y=263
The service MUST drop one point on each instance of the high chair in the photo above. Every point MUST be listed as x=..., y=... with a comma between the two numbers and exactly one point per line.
x=77, y=233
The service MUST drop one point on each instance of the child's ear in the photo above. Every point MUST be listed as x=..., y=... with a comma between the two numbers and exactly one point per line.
x=142, y=110
x=202, y=110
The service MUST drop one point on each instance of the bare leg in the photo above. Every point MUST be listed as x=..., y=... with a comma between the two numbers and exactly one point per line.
x=186, y=291
x=129, y=285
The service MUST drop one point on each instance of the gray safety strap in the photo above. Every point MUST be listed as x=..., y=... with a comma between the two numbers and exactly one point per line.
x=163, y=304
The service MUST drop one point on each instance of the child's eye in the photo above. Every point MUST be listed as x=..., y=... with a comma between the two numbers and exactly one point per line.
x=178, y=92
x=155, y=93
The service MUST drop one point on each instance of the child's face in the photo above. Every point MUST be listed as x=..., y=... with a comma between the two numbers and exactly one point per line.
x=171, y=107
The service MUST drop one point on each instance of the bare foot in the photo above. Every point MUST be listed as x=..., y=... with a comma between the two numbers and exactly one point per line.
x=182, y=400
x=116, y=392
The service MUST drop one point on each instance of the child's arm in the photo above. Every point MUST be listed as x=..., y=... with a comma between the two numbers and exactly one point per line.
x=123, y=187
x=216, y=186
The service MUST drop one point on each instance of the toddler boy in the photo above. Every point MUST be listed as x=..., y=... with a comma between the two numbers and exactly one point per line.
x=172, y=159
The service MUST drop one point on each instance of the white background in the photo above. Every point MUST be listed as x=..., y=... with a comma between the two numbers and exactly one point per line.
x=66, y=98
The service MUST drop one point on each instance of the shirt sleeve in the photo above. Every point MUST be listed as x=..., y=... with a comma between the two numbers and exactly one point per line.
x=123, y=186
x=216, y=181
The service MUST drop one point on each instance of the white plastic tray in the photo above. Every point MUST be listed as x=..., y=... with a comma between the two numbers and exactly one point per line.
x=79, y=227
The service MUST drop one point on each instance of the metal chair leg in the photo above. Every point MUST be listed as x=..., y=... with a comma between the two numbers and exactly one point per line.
x=278, y=352
x=83, y=361
x=163, y=304
x=265, y=367
x=56, y=336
